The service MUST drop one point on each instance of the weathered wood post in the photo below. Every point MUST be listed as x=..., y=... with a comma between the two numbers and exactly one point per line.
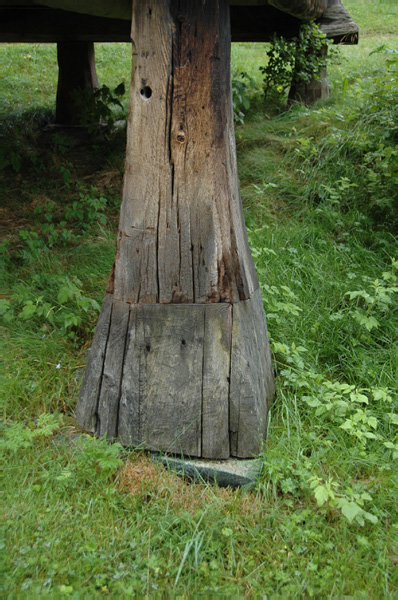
x=180, y=360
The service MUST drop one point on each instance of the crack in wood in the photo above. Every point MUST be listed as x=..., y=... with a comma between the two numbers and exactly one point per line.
x=97, y=419
x=123, y=367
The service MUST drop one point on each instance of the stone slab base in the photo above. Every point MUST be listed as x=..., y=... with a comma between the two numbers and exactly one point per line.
x=225, y=473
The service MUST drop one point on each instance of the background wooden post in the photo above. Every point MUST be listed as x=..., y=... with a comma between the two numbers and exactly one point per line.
x=76, y=64
x=181, y=361
x=315, y=89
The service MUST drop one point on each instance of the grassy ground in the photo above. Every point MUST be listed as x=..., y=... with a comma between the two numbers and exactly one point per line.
x=320, y=188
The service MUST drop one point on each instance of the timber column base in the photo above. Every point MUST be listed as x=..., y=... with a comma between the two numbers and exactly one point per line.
x=191, y=379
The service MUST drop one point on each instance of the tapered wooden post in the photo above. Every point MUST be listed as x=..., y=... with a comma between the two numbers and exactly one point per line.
x=76, y=73
x=180, y=359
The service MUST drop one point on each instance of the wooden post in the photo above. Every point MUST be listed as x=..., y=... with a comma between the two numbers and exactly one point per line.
x=76, y=72
x=316, y=89
x=180, y=360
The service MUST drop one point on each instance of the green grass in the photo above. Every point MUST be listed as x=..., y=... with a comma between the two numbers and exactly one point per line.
x=86, y=519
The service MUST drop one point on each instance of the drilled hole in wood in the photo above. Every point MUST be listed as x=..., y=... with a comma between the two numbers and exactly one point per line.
x=183, y=342
x=146, y=92
x=148, y=348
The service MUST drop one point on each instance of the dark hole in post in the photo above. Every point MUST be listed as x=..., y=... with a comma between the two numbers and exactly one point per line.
x=183, y=342
x=146, y=92
x=148, y=348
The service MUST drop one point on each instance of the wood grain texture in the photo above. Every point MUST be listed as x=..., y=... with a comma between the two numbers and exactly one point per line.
x=108, y=404
x=171, y=365
x=86, y=410
x=192, y=379
x=216, y=371
x=302, y=9
x=252, y=383
x=129, y=430
x=182, y=237
x=338, y=25
x=161, y=399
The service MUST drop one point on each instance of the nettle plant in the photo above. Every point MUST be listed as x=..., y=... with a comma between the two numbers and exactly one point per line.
x=63, y=225
x=302, y=58
x=363, y=418
x=71, y=313
x=375, y=299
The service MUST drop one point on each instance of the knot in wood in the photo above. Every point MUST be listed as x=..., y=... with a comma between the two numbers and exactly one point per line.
x=181, y=138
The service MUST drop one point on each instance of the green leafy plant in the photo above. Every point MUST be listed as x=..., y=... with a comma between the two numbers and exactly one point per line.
x=97, y=107
x=65, y=224
x=93, y=460
x=375, y=301
x=361, y=139
x=351, y=502
x=71, y=312
x=301, y=58
x=243, y=89
x=18, y=436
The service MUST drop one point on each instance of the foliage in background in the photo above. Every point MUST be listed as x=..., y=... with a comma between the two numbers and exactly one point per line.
x=62, y=225
x=299, y=59
x=244, y=88
x=362, y=140
x=93, y=108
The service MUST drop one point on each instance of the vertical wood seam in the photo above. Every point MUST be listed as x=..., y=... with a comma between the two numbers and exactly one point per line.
x=97, y=417
x=229, y=379
x=122, y=373
x=203, y=376
x=140, y=354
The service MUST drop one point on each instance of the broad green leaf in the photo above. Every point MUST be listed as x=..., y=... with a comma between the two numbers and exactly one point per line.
x=321, y=495
x=393, y=418
x=28, y=310
x=370, y=517
x=351, y=510
x=372, y=421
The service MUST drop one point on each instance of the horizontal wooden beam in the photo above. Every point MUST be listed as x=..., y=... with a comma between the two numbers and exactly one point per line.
x=32, y=24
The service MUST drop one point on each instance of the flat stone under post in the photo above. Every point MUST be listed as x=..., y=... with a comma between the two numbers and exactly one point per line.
x=180, y=360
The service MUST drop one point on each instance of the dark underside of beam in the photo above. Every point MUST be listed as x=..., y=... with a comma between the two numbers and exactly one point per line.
x=41, y=24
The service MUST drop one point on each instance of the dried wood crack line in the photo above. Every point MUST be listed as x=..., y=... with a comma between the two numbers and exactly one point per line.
x=122, y=372
x=97, y=417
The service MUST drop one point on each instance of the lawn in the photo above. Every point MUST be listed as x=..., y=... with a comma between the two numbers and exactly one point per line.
x=84, y=518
